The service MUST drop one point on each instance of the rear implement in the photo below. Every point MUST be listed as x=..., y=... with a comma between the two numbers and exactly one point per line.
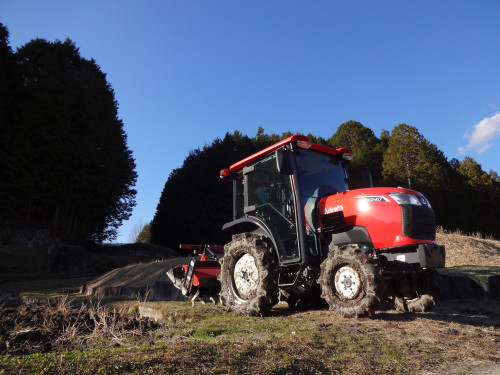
x=199, y=278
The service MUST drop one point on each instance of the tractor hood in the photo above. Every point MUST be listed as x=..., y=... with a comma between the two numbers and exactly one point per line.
x=392, y=216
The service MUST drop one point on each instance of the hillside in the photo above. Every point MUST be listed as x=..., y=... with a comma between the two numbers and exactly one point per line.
x=462, y=250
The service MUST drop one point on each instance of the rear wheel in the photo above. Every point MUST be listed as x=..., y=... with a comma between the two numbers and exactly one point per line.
x=414, y=293
x=249, y=275
x=350, y=285
x=311, y=299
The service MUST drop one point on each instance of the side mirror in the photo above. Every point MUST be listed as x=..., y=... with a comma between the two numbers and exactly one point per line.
x=284, y=161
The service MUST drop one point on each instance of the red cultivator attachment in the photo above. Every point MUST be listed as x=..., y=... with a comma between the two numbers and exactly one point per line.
x=199, y=278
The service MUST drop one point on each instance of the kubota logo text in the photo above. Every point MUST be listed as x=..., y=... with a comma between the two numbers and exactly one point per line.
x=330, y=210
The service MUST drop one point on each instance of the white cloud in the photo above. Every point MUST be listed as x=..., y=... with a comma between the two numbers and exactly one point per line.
x=483, y=135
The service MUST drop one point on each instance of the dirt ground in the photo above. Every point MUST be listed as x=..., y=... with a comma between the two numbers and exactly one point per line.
x=464, y=334
x=456, y=337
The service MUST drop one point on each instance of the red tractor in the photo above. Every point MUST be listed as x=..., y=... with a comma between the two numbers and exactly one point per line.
x=308, y=227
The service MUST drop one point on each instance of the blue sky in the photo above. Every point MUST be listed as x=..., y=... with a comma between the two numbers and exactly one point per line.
x=186, y=72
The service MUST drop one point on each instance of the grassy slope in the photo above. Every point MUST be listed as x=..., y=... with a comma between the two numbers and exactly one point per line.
x=24, y=270
x=464, y=250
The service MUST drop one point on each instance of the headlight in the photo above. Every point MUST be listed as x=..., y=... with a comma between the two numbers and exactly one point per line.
x=405, y=198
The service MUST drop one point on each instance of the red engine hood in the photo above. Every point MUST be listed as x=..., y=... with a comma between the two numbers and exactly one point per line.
x=375, y=210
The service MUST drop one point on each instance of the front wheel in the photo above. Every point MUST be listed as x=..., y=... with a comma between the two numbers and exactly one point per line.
x=248, y=275
x=350, y=284
x=414, y=293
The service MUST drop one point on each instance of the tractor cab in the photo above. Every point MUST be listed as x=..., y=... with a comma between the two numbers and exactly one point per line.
x=277, y=191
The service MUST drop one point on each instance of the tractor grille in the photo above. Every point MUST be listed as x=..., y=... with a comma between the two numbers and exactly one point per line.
x=418, y=222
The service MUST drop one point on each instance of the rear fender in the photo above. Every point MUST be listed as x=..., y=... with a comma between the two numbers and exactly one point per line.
x=250, y=225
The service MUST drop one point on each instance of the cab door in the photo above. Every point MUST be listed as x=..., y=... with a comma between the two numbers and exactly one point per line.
x=269, y=198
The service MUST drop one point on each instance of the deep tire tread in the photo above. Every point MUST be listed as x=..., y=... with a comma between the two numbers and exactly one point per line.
x=372, y=284
x=267, y=293
x=424, y=300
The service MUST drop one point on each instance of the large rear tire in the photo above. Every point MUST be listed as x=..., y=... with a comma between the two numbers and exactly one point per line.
x=248, y=275
x=350, y=284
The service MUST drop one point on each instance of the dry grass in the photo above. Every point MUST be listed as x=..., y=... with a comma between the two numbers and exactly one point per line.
x=462, y=250
x=456, y=338
x=32, y=326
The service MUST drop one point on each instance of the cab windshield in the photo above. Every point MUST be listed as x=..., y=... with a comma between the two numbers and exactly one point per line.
x=320, y=174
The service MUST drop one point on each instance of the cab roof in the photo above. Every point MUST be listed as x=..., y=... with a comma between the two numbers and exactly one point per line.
x=302, y=141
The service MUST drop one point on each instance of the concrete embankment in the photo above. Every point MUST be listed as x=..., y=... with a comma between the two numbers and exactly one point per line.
x=468, y=282
x=143, y=281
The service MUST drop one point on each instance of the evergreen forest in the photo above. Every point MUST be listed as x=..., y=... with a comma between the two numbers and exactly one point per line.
x=65, y=168
x=195, y=202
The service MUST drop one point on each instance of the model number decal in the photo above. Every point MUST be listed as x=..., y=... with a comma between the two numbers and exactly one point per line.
x=330, y=210
x=373, y=198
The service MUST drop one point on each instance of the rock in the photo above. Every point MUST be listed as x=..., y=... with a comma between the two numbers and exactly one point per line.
x=148, y=312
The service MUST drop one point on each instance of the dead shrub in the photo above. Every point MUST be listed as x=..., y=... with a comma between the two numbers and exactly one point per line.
x=31, y=326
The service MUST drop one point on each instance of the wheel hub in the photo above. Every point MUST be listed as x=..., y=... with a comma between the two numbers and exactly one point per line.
x=245, y=276
x=347, y=282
